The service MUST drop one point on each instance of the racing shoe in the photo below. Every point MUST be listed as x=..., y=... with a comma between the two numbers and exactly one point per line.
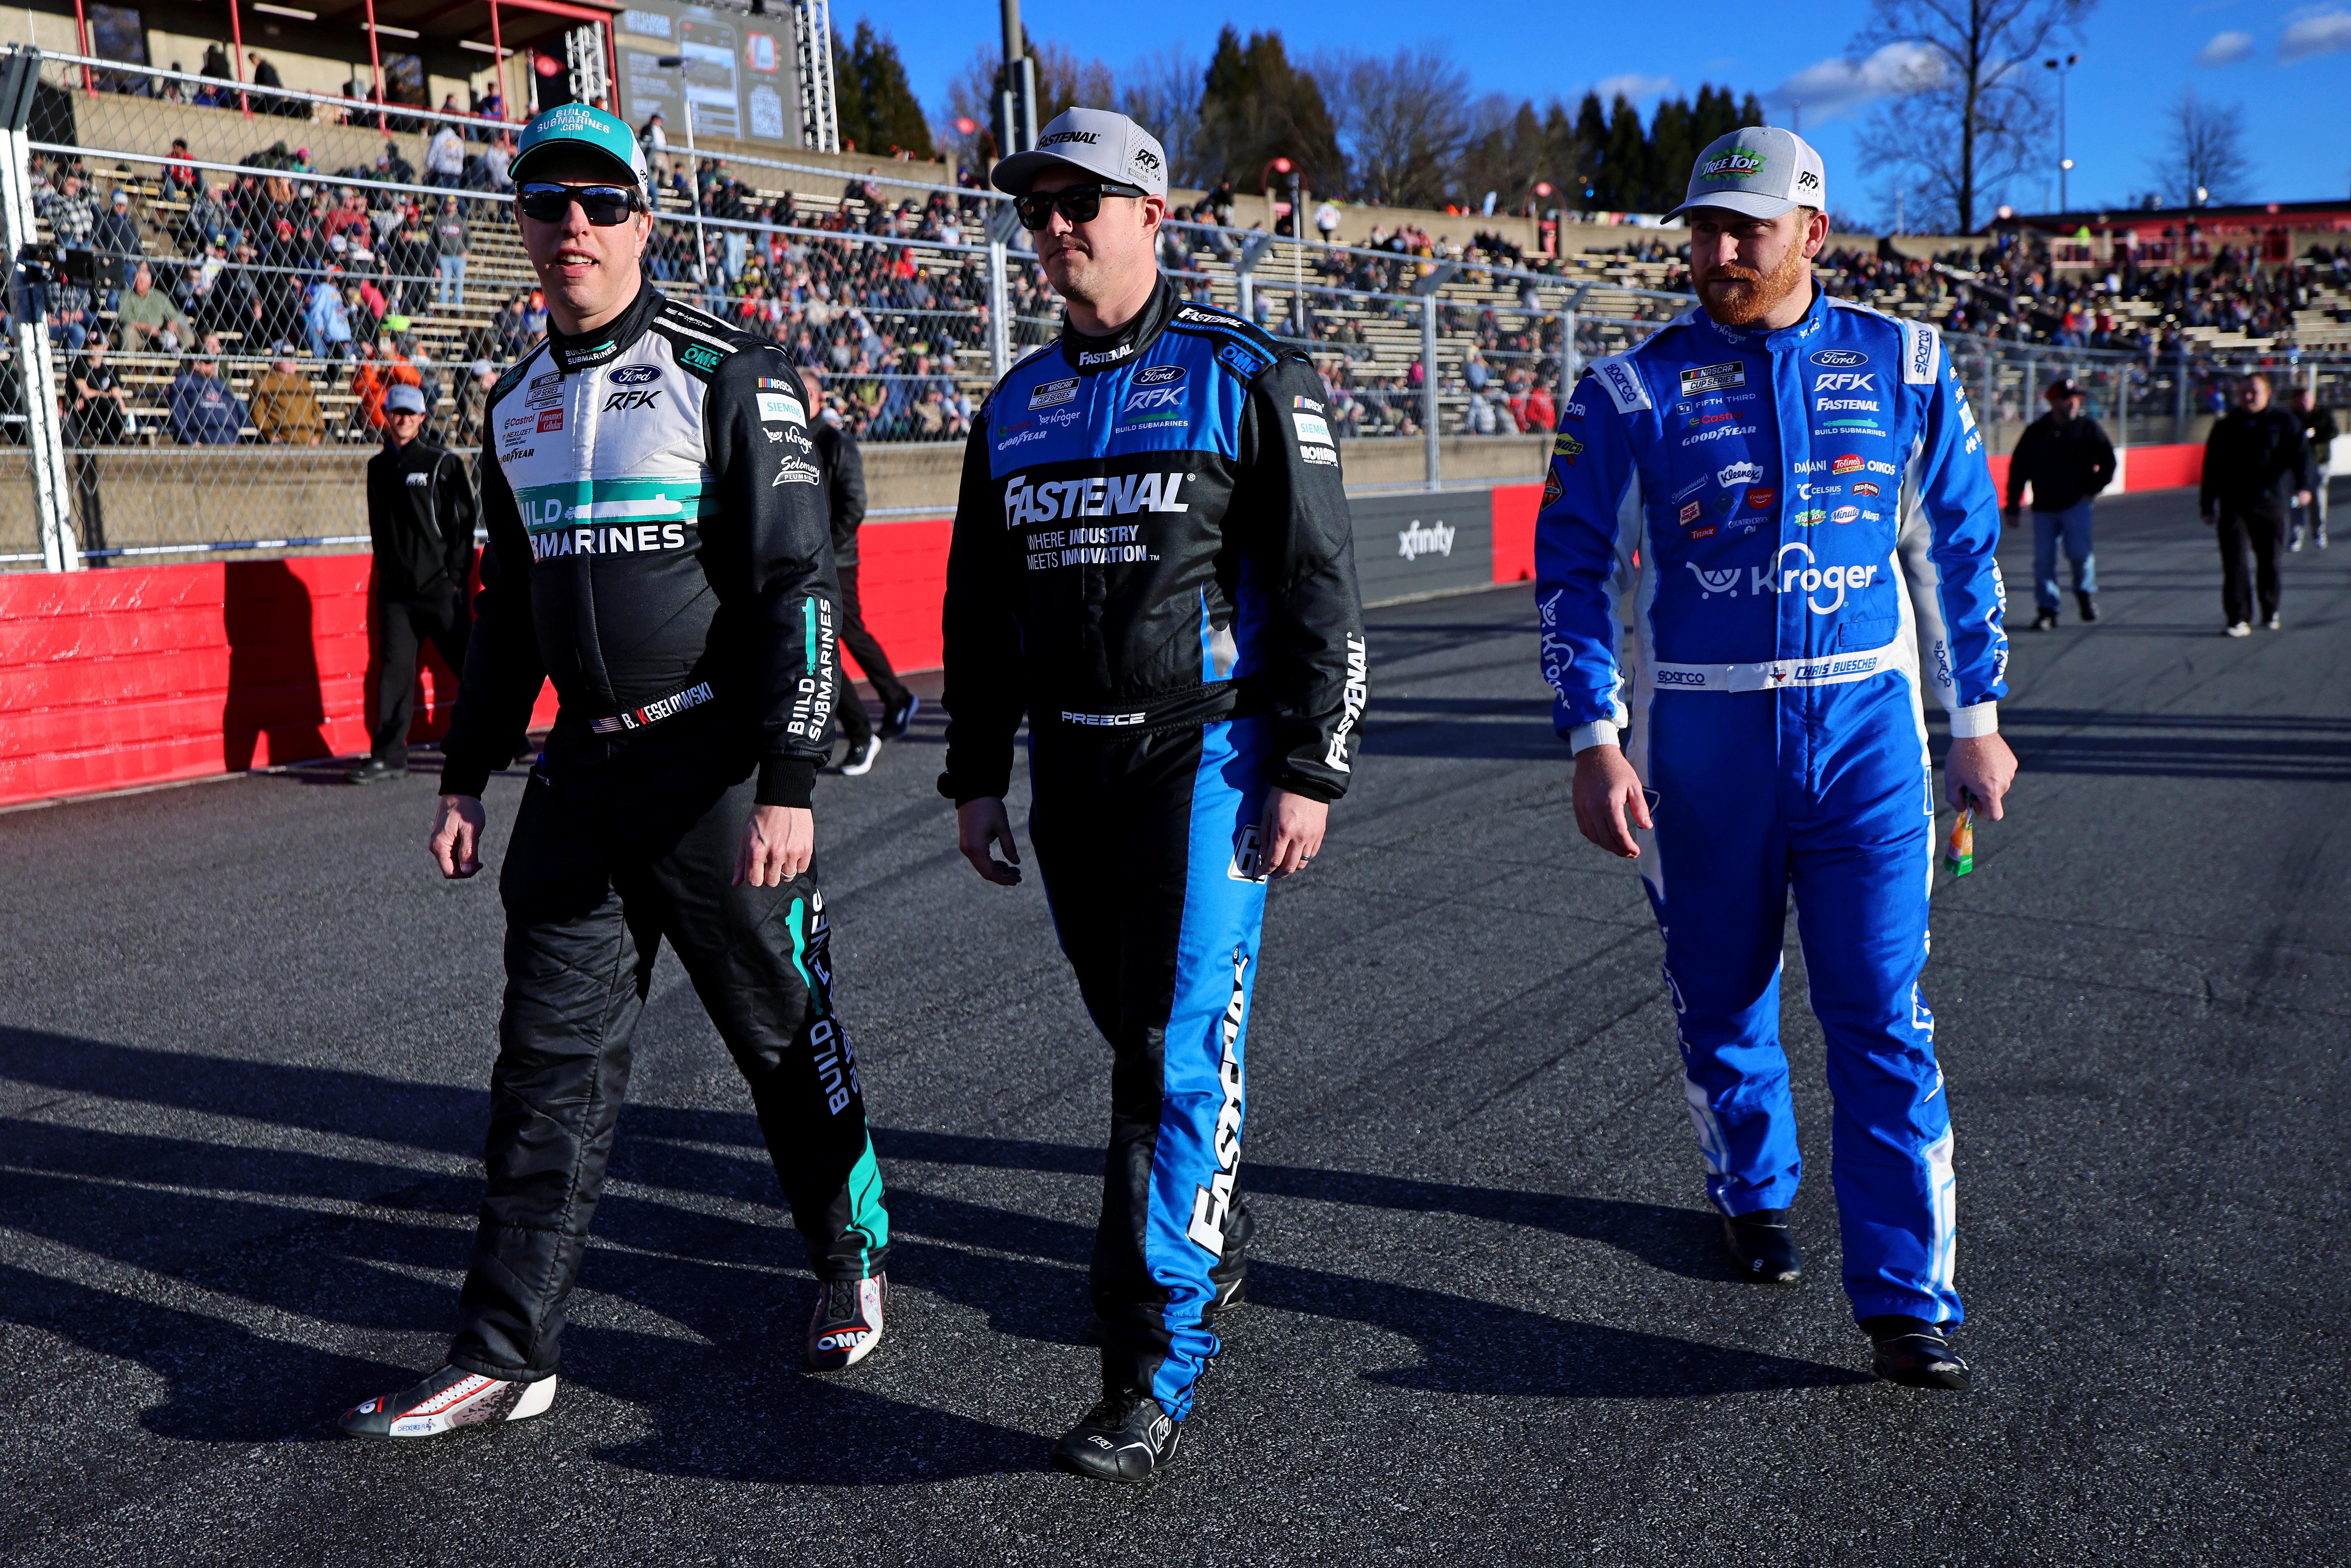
x=1126, y=1437
x=1914, y=1354
x=2089, y=604
x=448, y=1401
x=2044, y=621
x=1763, y=1247
x=847, y=1323
x=860, y=761
x=900, y=715
x=1228, y=1291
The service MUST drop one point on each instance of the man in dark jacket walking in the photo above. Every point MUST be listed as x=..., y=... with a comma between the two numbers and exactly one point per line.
x=2318, y=433
x=2067, y=459
x=2254, y=459
x=844, y=496
x=420, y=518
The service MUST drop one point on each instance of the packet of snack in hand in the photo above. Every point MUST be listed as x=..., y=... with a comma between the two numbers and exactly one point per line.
x=1960, y=850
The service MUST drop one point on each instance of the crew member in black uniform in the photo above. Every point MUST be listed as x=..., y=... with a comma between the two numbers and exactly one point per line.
x=2318, y=433
x=2254, y=459
x=1152, y=562
x=2067, y=460
x=657, y=549
x=844, y=497
x=421, y=524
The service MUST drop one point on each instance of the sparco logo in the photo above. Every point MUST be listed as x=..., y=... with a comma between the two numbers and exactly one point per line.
x=1358, y=692
x=1426, y=539
x=1680, y=678
x=1211, y=1203
x=1103, y=496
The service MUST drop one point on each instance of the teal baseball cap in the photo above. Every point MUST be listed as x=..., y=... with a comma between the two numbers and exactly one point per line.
x=581, y=127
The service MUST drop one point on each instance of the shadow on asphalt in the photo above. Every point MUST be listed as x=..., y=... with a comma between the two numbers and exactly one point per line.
x=182, y=1216
x=2152, y=745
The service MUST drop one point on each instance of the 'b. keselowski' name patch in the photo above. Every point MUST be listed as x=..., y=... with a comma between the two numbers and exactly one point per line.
x=1713, y=377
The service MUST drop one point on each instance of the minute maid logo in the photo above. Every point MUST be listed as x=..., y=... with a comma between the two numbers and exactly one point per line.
x=1739, y=163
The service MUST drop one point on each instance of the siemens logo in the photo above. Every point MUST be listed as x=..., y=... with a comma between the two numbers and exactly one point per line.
x=1103, y=496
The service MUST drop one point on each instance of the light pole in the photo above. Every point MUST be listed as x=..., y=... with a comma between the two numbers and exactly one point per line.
x=692, y=162
x=2064, y=165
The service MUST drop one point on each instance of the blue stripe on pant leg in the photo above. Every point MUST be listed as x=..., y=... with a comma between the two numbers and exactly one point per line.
x=1198, y=1152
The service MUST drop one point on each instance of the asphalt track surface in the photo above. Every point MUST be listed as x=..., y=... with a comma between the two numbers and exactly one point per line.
x=242, y=1071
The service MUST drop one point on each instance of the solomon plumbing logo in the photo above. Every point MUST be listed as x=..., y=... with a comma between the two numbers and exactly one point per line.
x=1426, y=539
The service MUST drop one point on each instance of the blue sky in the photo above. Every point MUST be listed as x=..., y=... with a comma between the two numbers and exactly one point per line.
x=2288, y=65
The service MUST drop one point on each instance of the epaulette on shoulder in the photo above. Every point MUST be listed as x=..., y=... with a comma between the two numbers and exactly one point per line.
x=701, y=343
x=1243, y=350
x=512, y=378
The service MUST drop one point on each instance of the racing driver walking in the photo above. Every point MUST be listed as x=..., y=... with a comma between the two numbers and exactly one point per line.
x=1151, y=559
x=658, y=548
x=1792, y=491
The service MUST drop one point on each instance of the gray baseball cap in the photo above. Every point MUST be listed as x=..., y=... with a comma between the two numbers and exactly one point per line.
x=1098, y=140
x=403, y=399
x=1758, y=171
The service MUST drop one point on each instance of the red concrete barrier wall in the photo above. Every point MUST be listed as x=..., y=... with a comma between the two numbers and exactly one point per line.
x=901, y=578
x=1515, y=506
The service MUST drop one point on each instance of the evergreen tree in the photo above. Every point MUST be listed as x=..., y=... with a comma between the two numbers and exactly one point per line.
x=877, y=109
x=1255, y=105
x=1672, y=151
x=1591, y=155
x=1625, y=163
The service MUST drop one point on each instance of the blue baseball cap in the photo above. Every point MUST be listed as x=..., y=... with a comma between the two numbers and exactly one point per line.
x=581, y=127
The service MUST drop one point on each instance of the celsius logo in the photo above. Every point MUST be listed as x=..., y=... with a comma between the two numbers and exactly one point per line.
x=1710, y=583
x=634, y=375
x=1211, y=1203
x=1358, y=692
x=1158, y=376
x=1426, y=539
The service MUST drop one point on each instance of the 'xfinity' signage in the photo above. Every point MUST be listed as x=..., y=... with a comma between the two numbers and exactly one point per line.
x=1423, y=541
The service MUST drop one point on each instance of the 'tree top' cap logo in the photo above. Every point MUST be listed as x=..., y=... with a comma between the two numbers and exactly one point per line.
x=1739, y=163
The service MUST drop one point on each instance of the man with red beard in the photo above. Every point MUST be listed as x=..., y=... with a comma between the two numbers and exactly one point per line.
x=1792, y=491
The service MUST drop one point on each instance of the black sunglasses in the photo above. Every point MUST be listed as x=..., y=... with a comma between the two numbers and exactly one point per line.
x=604, y=205
x=1079, y=204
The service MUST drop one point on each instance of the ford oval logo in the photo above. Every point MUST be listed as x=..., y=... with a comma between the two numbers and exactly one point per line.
x=1158, y=376
x=634, y=375
x=1840, y=357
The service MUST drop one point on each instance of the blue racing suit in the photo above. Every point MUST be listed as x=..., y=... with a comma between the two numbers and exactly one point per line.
x=1806, y=525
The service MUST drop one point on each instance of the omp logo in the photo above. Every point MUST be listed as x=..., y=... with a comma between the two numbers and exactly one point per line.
x=1709, y=583
x=634, y=375
x=1155, y=398
x=699, y=357
x=1679, y=678
x=1738, y=473
x=1429, y=538
x=1358, y=692
x=1103, y=496
x=1168, y=375
x=1840, y=357
x=1845, y=380
x=1211, y=1203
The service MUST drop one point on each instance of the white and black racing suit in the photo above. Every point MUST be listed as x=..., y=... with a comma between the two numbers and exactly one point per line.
x=658, y=548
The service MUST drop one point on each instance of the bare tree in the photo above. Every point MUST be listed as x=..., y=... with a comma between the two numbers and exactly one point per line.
x=1969, y=117
x=2203, y=157
x=1062, y=79
x=1403, y=121
x=1161, y=92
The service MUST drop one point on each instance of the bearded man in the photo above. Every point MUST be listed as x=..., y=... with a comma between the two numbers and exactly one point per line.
x=1793, y=491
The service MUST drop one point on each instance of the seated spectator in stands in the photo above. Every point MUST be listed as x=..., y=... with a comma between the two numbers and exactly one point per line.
x=474, y=401
x=208, y=215
x=98, y=411
x=509, y=328
x=391, y=168
x=203, y=411
x=148, y=320
x=116, y=238
x=1541, y=415
x=495, y=161
x=350, y=219
x=445, y=158
x=326, y=322
x=70, y=214
x=379, y=369
x=181, y=180
x=409, y=258
x=453, y=242
x=534, y=318
x=285, y=409
x=364, y=303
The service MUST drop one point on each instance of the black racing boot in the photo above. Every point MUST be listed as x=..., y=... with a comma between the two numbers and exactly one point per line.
x=1228, y=1289
x=448, y=1401
x=2089, y=606
x=1763, y=1247
x=374, y=771
x=1126, y=1437
x=847, y=1323
x=1914, y=1354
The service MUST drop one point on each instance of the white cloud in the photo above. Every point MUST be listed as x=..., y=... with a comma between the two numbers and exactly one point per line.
x=2226, y=49
x=1838, y=87
x=1633, y=85
x=2313, y=33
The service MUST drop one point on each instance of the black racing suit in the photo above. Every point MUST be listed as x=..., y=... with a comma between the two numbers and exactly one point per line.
x=657, y=548
x=1151, y=561
x=844, y=496
x=2252, y=464
x=420, y=525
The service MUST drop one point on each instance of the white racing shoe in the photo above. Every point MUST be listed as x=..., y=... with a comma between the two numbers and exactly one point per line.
x=847, y=1323
x=448, y=1401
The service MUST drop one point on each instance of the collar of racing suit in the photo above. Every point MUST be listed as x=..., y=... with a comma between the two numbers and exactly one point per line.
x=1795, y=333
x=1128, y=342
x=608, y=341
